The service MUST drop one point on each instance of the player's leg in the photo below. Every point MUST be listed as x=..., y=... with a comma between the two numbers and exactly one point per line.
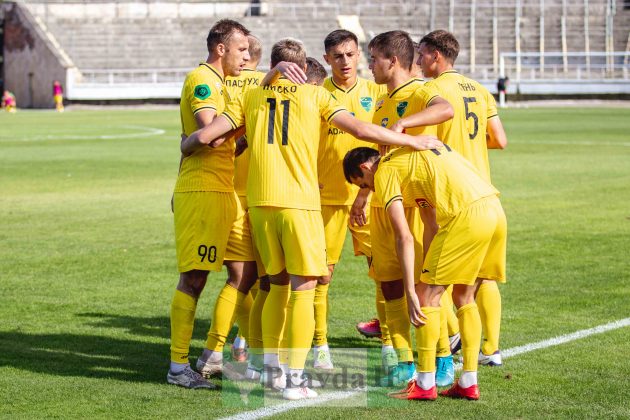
x=200, y=248
x=304, y=245
x=488, y=296
x=335, y=220
x=255, y=364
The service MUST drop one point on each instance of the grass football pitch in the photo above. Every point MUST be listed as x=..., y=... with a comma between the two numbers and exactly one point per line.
x=87, y=273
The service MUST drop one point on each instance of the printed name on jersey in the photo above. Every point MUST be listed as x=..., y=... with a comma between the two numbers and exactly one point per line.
x=401, y=108
x=467, y=87
x=202, y=91
x=281, y=89
x=242, y=82
x=422, y=203
x=333, y=131
x=366, y=103
x=384, y=122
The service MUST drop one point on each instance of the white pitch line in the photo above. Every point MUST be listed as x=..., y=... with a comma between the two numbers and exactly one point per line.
x=574, y=143
x=146, y=132
x=515, y=351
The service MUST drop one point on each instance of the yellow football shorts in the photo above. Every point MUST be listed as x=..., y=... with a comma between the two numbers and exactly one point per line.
x=291, y=239
x=239, y=246
x=385, y=265
x=336, y=223
x=256, y=256
x=472, y=245
x=203, y=221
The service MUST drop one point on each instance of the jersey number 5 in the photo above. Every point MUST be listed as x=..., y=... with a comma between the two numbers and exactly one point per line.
x=285, y=120
x=473, y=116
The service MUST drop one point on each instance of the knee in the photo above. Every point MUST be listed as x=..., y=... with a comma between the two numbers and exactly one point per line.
x=463, y=295
x=192, y=282
x=393, y=289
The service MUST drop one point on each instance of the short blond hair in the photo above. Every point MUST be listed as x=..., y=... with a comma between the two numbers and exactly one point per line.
x=288, y=49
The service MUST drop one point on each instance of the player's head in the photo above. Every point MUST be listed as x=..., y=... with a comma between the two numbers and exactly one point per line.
x=437, y=49
x=342, y=53
x=359, y=166
x=416, y=69
x=255, y=51
x=288, y=49
x=390, y=52
x=315, y=72
x=227, y=40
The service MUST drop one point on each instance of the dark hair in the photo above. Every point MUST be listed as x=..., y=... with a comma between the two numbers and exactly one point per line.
x=337, y=37
x=444, y=42
x=288, y=49
x=354, y=158
x=222, y=31
x=315, y=72
x=394, y=44
x=255, y=48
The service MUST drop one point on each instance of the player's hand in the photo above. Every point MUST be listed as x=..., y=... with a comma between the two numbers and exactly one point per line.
x=383, y=149
x=241, y=145
x=415, y=313
x=423, y=142
x=292, y=71
x=397, y=127
x=357, y=211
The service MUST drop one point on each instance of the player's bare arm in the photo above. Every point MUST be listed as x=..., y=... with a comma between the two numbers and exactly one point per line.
x=437, y=111
x=357, y=211
x=406, y=256
x=291, y=71
x=429, y=220
x=376, y=134
x=201, y=138
x=495, y=134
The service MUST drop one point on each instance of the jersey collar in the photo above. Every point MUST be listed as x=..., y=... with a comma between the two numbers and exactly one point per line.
x=356, y=82
x=407, y=83
x=213, y=70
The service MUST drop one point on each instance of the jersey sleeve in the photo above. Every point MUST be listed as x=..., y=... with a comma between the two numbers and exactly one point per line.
x=426, y=94
x=234, y=112
x=201, y=94
x=491, y=104
x=387, y=185
x=328, y=105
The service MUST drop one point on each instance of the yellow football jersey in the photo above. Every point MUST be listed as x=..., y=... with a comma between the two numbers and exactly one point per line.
x=409, y=98
x=334, y=143
x=207, y=169
x=282, y=123
x=236, y=86
x=441, y=179
x=473, y=106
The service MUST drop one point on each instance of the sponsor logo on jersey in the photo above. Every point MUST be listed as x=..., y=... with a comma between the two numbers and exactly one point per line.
x=202, y=91
x=422, y=203
x=401, y=108
x=384, y=122
x=366, y=103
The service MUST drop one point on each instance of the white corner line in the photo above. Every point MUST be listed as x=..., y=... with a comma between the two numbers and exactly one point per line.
x=515, y=351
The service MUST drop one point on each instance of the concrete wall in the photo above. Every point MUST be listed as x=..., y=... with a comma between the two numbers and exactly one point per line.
x=32, y=62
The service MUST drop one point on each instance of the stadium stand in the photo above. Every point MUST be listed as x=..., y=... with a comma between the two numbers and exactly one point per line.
x=141, y=49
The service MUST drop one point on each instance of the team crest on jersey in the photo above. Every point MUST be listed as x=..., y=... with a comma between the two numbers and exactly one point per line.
x=401, y=108
x=384, y=122
x=379, y=104
x=366, y=103
x=202, y=91
x=422, y=203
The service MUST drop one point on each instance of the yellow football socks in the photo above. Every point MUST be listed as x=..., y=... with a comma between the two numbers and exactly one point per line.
x=397, y=320
x=255, y=323
x=444, y=344
x=451, y=318
x=489, y=302
x=301, y=327
x=225, y=308
x=321, y=315
x=427, y=337
x=182, y=320
x=470, y=330
x=386, y=339
x=242, y=316
x=274, y=316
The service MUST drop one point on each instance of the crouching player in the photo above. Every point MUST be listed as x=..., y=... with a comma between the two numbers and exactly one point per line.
x=465, y=234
